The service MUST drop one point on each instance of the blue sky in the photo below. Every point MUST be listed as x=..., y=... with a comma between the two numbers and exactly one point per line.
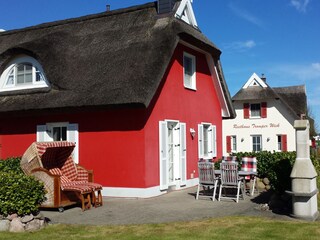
x=280, y=38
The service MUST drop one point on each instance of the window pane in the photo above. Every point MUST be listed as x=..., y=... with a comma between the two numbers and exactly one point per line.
x=28, y=67
x=256, y=143
x=28, y=78
x=188, y=66
x=255, y=110
x=279, y=143
x=56, y=134
x=20, y=68
x=20, y=79
x=64, y=134
x=234, y=143
x=205, y=141
x=189, y=71
x=10, y=80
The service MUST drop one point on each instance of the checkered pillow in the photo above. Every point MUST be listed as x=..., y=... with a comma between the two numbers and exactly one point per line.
x=249, y=164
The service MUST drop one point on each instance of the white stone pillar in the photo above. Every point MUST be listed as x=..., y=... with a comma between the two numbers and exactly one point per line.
x=303, y=176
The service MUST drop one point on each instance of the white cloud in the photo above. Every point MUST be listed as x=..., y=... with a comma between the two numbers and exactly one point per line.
x=300, y=72
x=300, y=5
x=2, y=30
x=242, y=13
x=316, y=66
x=240, y=46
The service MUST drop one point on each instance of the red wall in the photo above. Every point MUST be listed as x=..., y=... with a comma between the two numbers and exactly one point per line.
x=122, y=146
x=175, y=102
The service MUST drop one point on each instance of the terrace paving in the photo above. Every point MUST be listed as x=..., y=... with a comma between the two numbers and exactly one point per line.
x=171, y=207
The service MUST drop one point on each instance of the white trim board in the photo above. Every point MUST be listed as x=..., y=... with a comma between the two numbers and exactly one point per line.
x=142, y=192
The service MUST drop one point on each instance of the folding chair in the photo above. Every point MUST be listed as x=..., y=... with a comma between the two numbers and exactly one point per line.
x=230, y=179
x=207, y=178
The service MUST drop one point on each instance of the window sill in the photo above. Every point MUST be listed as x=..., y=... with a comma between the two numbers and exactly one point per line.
x=190, y=88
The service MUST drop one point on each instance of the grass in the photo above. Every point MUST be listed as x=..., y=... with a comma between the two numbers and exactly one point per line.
x=218, y=228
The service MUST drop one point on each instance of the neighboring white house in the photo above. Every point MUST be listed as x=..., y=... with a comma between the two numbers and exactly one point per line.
x=265, y=117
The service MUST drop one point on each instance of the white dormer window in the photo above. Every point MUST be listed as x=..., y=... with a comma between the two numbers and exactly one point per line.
x=189, y=71
x=22, y=73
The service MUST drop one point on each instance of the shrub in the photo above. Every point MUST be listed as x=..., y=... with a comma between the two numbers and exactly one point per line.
x=11, y=164
x=19, y=193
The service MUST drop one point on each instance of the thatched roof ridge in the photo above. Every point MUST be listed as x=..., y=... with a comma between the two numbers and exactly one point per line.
x=293, y=97
x=109, y=59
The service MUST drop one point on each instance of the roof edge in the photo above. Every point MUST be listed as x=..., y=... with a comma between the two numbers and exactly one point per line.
x=81, y=18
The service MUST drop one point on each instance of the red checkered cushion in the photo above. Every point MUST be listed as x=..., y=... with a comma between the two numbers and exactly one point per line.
x=57, y=172
x=82, y=174
x=229, y=159
x=76, y=187
x=249, y=164
x=69, y=169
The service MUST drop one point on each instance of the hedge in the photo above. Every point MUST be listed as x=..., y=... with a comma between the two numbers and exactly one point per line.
x=276, y=166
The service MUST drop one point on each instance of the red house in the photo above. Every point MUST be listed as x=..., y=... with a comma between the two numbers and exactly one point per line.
x=140, y=90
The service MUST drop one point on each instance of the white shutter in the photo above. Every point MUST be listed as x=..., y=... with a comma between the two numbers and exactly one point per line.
x=163, y=155
x=214, y=141
x=73, y=136
x=183, y=155
x=200, y=141
x=42, y=135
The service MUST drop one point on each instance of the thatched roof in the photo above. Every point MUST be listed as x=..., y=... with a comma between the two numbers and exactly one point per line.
x=293, y=97
x=109, y=59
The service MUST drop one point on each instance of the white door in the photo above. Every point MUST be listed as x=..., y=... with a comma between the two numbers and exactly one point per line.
x=172, y=154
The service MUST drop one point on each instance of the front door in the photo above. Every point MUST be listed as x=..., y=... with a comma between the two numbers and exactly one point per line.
x=172, y=154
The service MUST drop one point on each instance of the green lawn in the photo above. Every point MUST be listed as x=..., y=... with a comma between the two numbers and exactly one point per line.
x=218, y=228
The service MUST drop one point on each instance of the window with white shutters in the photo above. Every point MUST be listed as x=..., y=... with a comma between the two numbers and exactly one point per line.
x=207, y=141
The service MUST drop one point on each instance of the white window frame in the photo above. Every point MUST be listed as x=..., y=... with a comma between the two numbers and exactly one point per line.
x=12, y=66
x=44, y=134
x=255, y=144
x=207, y=146
x=255, y=110
x=189, y=81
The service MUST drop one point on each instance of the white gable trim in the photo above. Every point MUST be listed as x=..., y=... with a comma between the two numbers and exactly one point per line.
x=255, y=80
x=186, y=14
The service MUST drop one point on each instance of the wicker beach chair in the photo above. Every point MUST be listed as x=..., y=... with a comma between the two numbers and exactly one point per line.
x=66, y=183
